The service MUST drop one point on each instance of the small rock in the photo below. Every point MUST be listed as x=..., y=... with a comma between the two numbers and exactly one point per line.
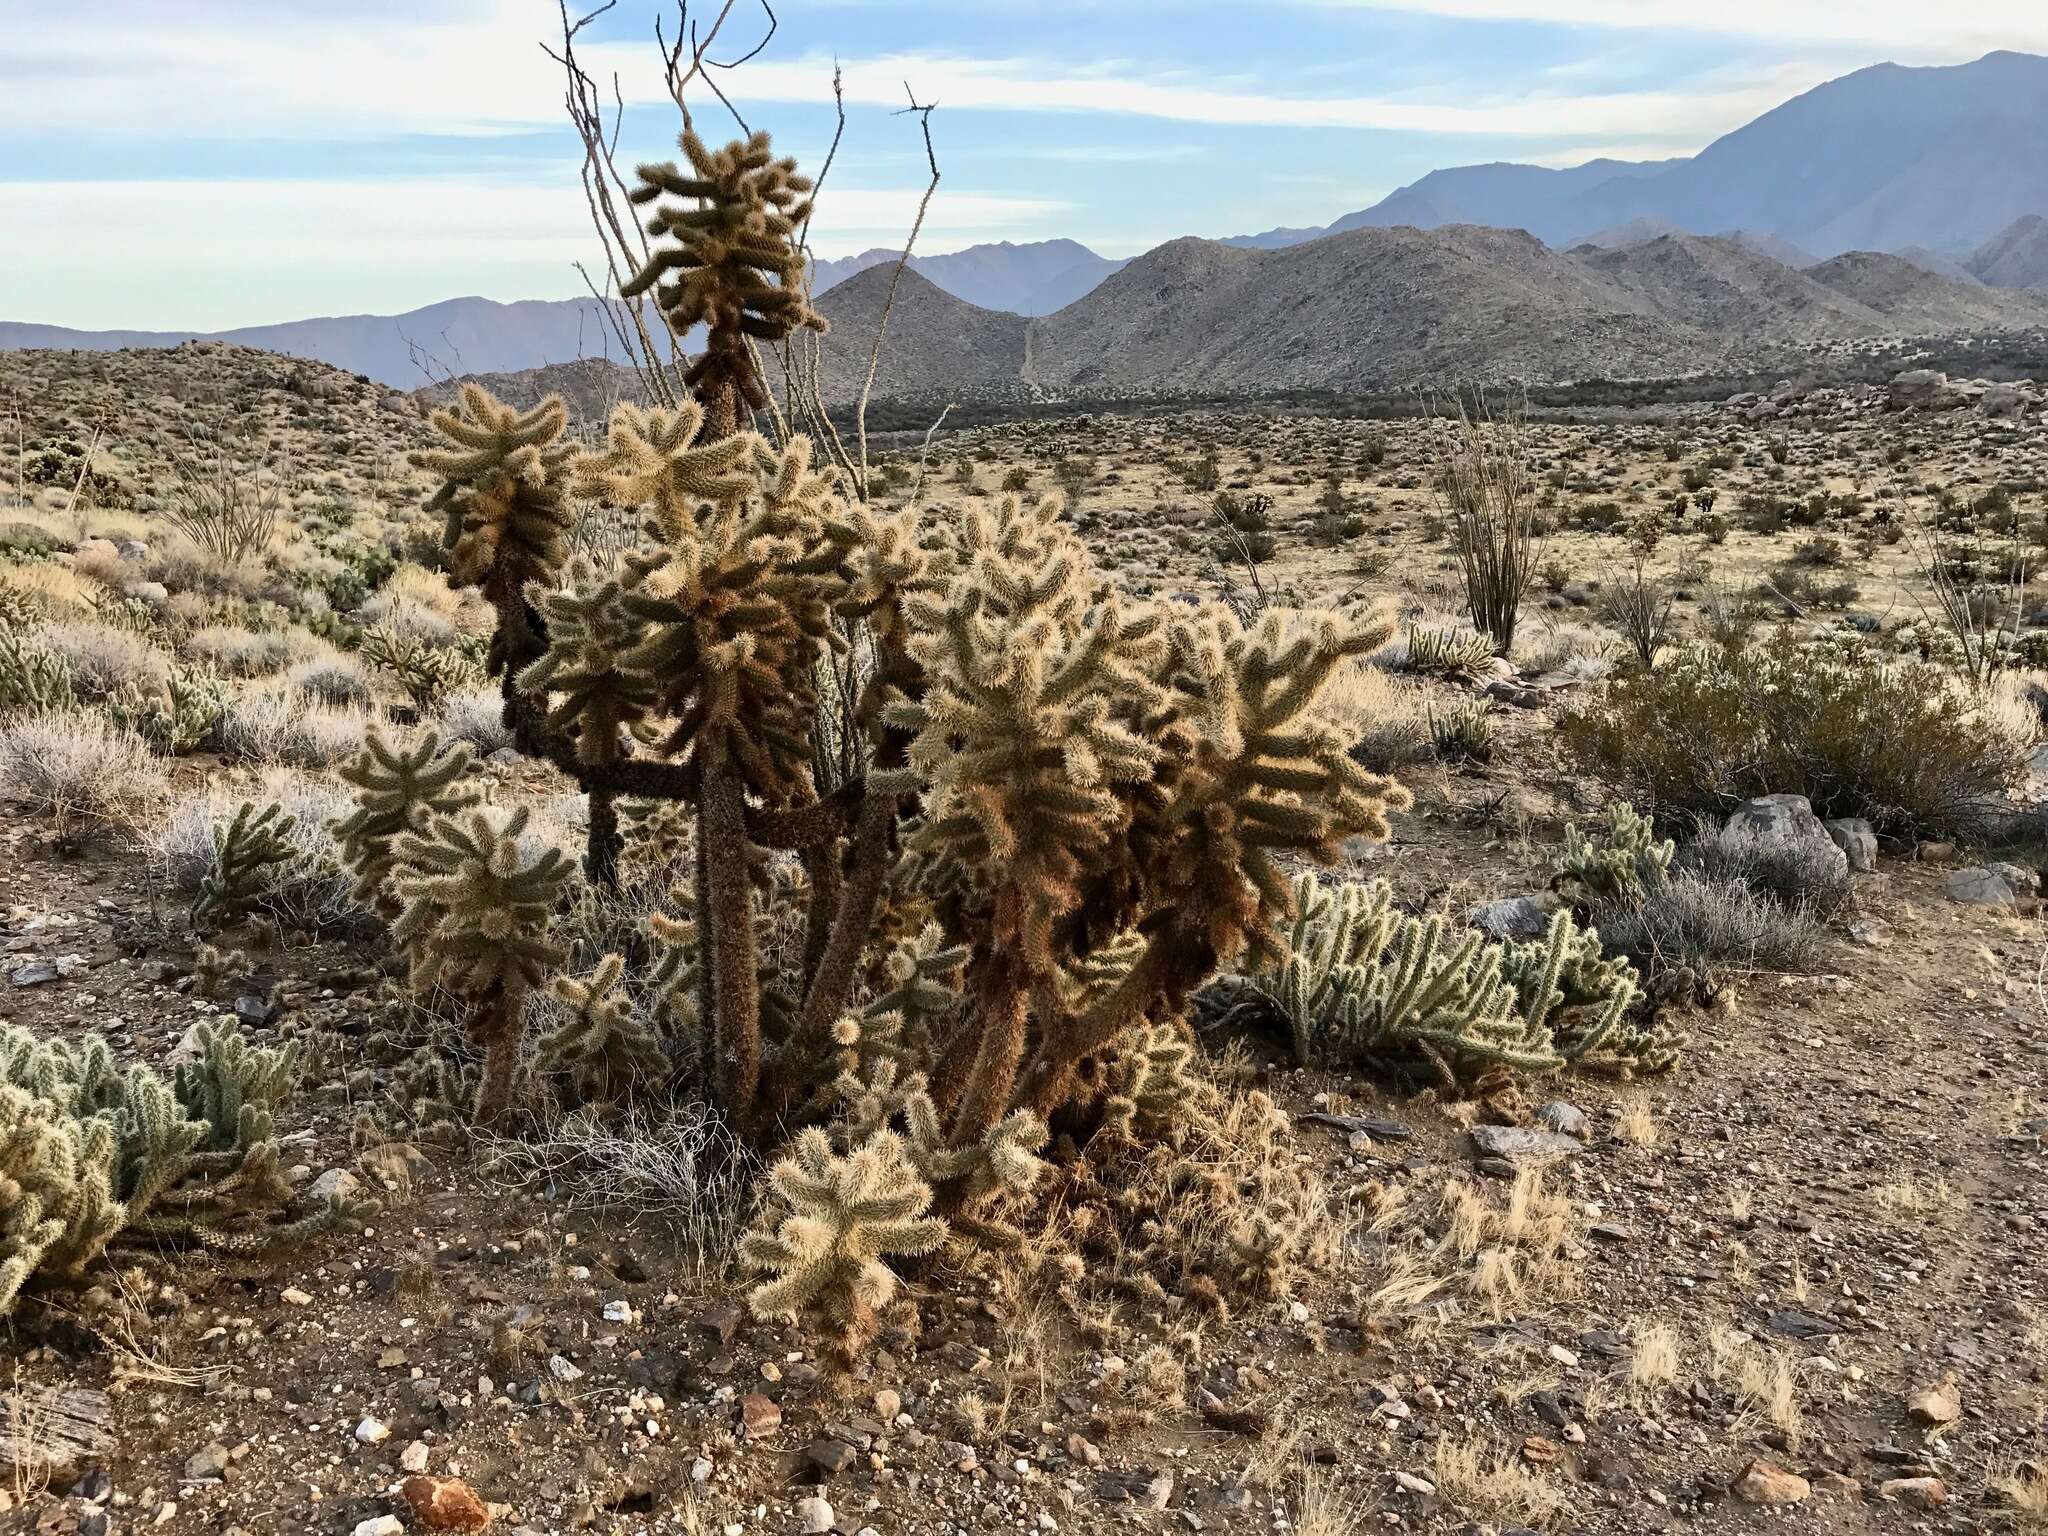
x=209, y=1465
x=414, y=1457
x=1362, y=1125
x=1982, y=886
x=380, y=1525
x=830, y=1457
x=563, y=1369
x=373, y=1431
x=1518, y=917
x=1919, y=1492
x=1524, y=1146
x=815, y=1516
x=1937, y=1405
x=1568, y=1119
x=444, y=1504
x=1765, y=1482
x=618, y=1312
x=1857, y=841
x=1413, y=1484
x=887, y=1405
x=292, y=1296
x=37, y=973
x=759, y=1415
x=335, y=1184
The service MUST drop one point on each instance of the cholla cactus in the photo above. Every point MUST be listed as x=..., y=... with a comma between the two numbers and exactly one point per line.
x=33, y=678
x=1457, y=654
x=474, y=916
x=181, y=717
x=822, y=1240
x=734, y=266
x=1614, y=864
x=600, y=1041
x=91, y=1156
x=244, y=852
x=503, y=476
x=398, y=790
x=1361, y=983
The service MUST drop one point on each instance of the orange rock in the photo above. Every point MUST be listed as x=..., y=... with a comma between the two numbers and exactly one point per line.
x=444, y=1504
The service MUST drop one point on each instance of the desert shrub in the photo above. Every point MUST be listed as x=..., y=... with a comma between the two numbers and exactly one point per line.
x=336, y=680
x=1895, y=743
x=1361, y=984
x=104, y=660
x=237, y=652
x=97, y=1158
x=281, y=728
x=1581, y=651
x=1697, y=930
x=85, y=773
x=477, y=716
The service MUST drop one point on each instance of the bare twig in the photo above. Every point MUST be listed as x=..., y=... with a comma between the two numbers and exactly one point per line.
x=923, y=113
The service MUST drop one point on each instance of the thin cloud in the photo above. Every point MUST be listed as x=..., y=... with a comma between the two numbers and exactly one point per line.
x=239, y=252
x=1914, y=27
x=478, y=70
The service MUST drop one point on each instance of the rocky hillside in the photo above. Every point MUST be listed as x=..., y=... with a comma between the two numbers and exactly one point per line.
x=1712, y=285
x=2016, y=257
x=1915, y=301
x=937, y=348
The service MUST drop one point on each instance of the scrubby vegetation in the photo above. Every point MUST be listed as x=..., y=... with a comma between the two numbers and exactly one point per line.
x=995, y=935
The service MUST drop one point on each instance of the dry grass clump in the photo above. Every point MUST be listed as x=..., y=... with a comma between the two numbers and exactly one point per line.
x=418, y=604
x=236, y=652
x=1761, y=1379
x=1714, y=930
x=477, y=716
x=1485, y=1482
x=80, y=770
x=280, y=728
x=336, y=679
x=1323, y=1508
x=105, y=660
x=45, y=587
x=1501, y=1252
x=2025, y=1491
x=1653, y=1358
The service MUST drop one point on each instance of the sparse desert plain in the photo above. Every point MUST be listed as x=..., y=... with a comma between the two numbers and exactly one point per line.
x=1789, y=1250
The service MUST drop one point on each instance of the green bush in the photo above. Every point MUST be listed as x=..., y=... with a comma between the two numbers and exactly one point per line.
x=1898, y=744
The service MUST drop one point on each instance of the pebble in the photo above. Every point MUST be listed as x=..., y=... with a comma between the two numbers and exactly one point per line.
x=208, y=1465
x=373, y=1431
x=444, y=1504
x=414, y=1457
x=816, y=1516
x=292, y=1296
x=380, y=1525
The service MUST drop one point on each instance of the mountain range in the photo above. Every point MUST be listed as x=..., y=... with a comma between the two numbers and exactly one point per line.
x=1388, y=308
x=1942, y=171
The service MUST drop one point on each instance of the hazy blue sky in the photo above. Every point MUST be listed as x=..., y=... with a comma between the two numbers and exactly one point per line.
x=175, y=164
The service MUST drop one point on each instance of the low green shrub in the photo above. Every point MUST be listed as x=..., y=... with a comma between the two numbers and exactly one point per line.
x=1897, y=743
